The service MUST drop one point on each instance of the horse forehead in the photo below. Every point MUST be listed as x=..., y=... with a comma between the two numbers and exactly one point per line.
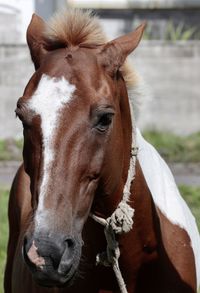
x=51, y=94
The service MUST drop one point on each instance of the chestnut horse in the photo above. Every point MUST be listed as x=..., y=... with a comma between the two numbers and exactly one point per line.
x=77, y=126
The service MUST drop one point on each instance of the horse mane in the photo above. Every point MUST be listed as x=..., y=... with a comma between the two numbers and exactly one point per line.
x=73, y=27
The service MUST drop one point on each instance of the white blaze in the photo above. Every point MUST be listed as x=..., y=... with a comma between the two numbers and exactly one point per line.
x=48, y=101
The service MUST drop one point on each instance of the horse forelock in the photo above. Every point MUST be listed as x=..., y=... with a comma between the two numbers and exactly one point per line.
x=74, y=27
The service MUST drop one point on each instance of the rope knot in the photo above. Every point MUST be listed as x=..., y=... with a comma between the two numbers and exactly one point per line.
x=121, y=220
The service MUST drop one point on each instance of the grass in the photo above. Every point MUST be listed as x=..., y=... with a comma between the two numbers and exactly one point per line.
x=175, y=148
x=11, y=149
x=179, y=32
x=172, y=147
x=4, y=232
x=191, y=195
x=173, y=32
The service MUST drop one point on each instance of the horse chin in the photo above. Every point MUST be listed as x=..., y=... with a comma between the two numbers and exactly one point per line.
x=49, y=278
x=59, y=281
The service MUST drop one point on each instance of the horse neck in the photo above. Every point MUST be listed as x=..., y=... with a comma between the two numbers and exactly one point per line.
x=127, y=129
x=106, y=205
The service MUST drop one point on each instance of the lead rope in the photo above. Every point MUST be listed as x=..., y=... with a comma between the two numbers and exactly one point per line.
x=121, y=221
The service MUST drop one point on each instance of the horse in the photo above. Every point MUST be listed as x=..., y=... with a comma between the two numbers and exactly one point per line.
x=79, y=135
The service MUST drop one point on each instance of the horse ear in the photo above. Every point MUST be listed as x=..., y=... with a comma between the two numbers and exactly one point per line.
x=115, y=52
x=36, y=40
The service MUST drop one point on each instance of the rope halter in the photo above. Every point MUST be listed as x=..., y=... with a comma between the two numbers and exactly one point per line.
x=121, y=221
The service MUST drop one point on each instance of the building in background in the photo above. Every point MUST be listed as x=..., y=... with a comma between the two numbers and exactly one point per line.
x=14, y=18
x=119, y=16
x=166, y=18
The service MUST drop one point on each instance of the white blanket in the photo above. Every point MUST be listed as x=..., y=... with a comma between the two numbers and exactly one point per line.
x=166, y=195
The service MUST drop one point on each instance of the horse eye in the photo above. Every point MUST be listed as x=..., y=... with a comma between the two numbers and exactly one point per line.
x=104, y=122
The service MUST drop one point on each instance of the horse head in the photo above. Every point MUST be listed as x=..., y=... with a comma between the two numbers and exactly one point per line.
x=77, y=139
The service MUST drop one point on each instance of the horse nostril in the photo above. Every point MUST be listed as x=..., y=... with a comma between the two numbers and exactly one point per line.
x=70, y=243
x=69, y=249
x=25, y=240
x=67, y=257
x=24, y=247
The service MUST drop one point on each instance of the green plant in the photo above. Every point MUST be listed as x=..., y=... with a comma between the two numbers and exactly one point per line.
x=191, y=195
x=147, y=35
x=11, y=149
x=173, y=32
x=179, y=33
x=175, y=148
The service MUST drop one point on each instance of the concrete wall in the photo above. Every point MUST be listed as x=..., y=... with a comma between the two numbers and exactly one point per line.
x=15, y=71
x=171, y=72
x=151, y=4
x=15, y=16
x=9, y=28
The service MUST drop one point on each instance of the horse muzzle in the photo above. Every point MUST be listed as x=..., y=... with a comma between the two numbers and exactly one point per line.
x=52, y=260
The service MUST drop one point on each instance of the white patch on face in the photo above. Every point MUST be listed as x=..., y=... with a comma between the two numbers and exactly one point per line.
x=48, y=101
